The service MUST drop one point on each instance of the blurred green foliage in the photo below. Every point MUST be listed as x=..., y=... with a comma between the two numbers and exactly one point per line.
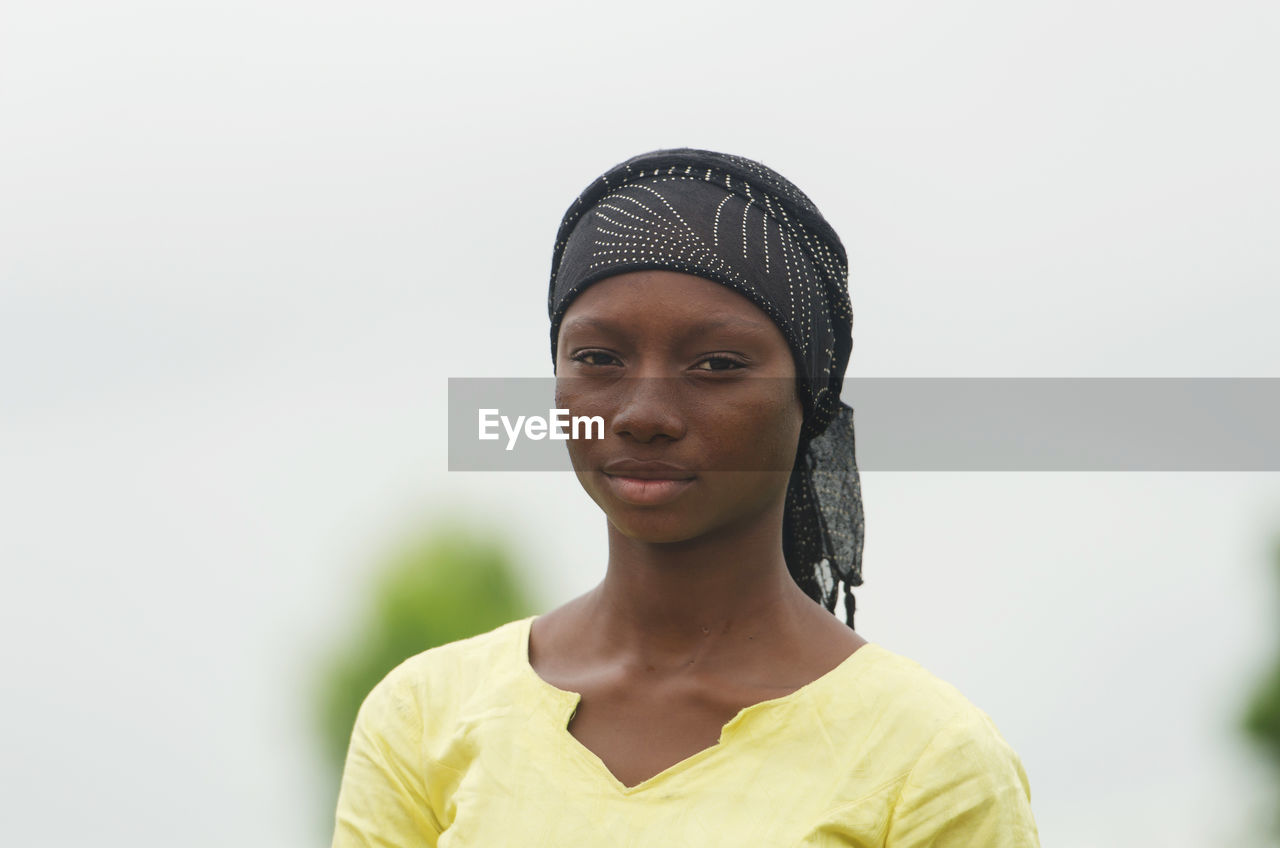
x=445, y=586
x=1262, y=714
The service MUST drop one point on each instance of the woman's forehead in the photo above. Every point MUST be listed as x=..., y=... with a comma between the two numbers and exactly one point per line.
x=638, y=293
x=638, y=298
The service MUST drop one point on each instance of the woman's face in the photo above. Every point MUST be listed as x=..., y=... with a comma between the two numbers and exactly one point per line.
x=696, y=386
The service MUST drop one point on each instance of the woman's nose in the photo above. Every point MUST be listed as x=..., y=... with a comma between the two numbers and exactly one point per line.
x=648, y=409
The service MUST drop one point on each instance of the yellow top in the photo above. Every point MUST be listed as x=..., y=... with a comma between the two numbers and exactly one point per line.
x=465, y=746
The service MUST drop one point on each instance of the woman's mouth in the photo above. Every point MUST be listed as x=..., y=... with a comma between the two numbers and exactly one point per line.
x=641, y=491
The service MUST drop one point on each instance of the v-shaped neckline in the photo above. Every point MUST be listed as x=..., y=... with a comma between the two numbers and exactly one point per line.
x=568, y=703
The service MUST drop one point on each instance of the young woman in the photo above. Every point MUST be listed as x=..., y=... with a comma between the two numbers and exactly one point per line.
x=702, y=694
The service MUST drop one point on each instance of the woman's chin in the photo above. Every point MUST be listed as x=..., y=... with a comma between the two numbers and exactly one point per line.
x=654, y=528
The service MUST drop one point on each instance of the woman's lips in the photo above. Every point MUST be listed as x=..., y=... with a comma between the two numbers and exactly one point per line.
x=646, y=492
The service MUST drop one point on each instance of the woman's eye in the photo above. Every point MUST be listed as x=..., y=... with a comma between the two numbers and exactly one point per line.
x=594, y=357
x=718, y=363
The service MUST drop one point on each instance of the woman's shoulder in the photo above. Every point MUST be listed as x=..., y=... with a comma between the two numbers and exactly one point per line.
x=931, y=748
x=910, y=706
x=473, y=656
x=437, y=681
x=958, y=767
x=890, y=680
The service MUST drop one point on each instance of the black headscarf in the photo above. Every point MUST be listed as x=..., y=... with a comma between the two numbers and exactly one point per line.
x=738, y=223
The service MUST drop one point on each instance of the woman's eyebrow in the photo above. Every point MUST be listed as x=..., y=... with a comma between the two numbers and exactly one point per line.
x=728, y=322
x=588, y=323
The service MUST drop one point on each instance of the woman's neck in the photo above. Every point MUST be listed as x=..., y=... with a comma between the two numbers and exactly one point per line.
x=671, y=601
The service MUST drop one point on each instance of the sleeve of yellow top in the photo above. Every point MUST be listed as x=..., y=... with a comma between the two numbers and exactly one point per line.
x=382, y=802
x=968, y=788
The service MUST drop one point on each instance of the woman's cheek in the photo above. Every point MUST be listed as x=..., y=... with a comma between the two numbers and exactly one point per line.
x=752, y=438
x=584, y=397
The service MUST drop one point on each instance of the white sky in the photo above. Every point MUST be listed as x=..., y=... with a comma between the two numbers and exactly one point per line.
x=243, y=245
